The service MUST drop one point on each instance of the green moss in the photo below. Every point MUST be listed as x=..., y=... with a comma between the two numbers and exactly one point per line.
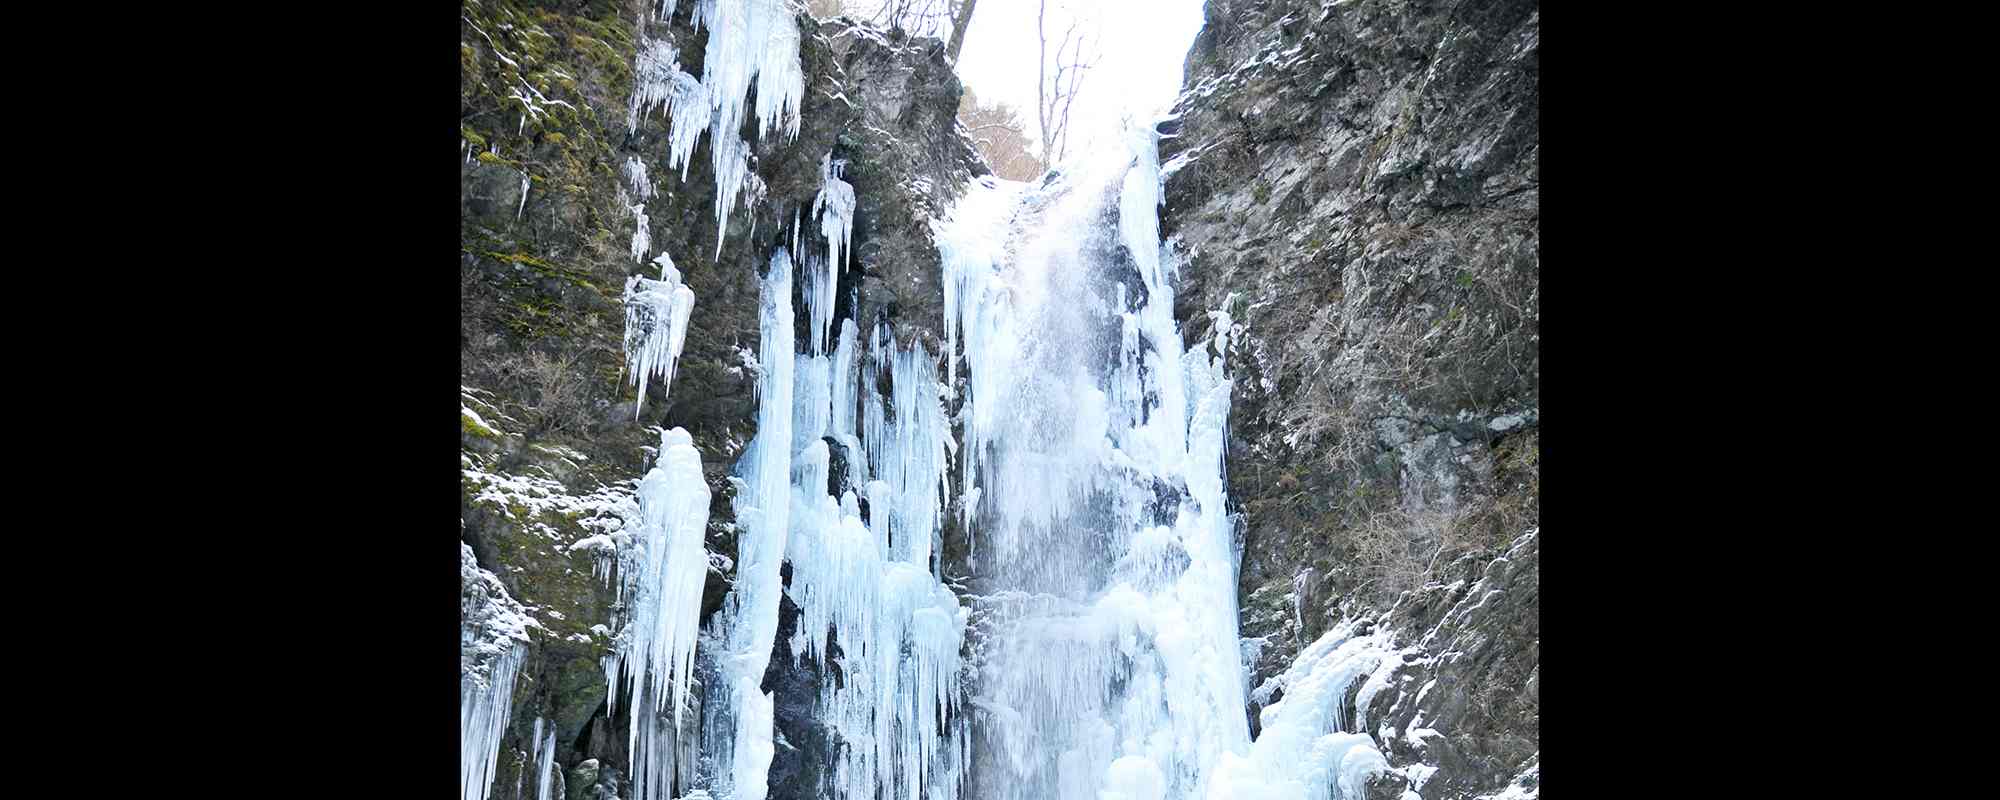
x=1262, y=191
x=472, y=427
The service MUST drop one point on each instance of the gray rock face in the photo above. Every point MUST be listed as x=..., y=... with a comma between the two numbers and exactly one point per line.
x=1357, y=184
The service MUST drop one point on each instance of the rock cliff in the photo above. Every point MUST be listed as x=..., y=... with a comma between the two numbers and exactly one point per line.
x=1357, y=183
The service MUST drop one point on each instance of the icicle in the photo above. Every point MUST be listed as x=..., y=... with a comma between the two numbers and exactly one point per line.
x=635, y=175
x=493, y=640
x=732, y=164
x=664, y=575
x=545, y=756
x=653, y=82
x=642, y=235
x=749, y=41
x=834, y=205
x=656, y=322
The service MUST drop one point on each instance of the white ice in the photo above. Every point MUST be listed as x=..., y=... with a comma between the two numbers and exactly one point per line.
x=656, y=324
x=493, y=638
x=663, y=574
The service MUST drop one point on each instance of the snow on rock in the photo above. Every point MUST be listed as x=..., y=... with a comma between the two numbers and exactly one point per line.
x=1525, y=786
x=532, y=500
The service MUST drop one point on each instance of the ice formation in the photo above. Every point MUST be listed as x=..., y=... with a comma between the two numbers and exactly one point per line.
x=642, y=233
x=544, y=758
x=865, y=581
x=1091, y=476
x=750, y=42
x=656, y=324
x=662, y=575
x=493, y=637
x=868, y=584
x=834, y=206
x=1307, y=747
x=737, y=739
x=635, y=176
x=1093, y=471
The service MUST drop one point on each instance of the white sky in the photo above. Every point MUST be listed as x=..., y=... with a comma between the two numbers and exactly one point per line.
x=1141, y=46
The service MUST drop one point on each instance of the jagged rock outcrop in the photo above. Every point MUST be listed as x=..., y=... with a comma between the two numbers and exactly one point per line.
x=1356, y=183
x=552, y=444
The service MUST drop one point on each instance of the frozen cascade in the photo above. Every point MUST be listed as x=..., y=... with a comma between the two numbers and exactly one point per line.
x=662, y=574
x=863, y=581
x=869, y=585
x=656, y=325
x=737, y=740
x=1091, y=480
x=493, y=637
x=1093, y=471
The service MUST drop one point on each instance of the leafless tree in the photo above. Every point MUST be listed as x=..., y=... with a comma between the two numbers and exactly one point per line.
x=961, y=19
x=1001, y=136
x=1054, y=95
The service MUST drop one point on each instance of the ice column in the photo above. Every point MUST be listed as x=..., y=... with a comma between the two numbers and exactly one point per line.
x=738, y=735
x=664, y=575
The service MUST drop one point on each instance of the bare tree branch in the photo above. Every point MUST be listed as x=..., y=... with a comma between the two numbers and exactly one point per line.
x=959, y=22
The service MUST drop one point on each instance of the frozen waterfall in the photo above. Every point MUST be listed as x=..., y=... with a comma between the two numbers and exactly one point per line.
x=1109, y=665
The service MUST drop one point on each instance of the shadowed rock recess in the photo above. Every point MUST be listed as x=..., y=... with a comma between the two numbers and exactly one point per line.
x=1355, y=183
